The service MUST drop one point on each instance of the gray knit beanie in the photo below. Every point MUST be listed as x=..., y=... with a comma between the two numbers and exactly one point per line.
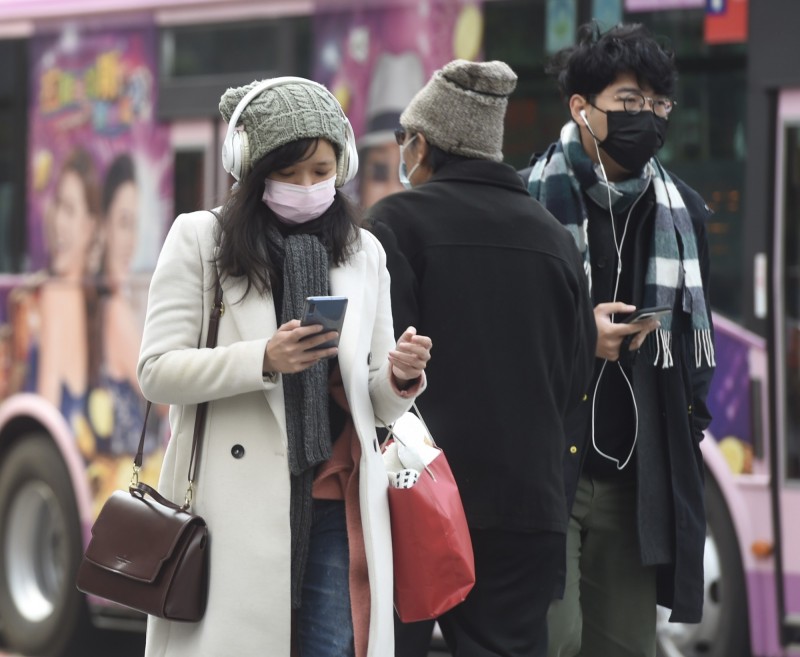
x=462, y=108
x=286, y=113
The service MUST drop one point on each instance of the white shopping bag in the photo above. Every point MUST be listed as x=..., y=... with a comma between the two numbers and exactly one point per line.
x=410, y=451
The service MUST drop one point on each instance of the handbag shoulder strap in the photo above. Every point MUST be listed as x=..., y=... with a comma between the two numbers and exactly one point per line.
x=217, y=311
x=202, y=409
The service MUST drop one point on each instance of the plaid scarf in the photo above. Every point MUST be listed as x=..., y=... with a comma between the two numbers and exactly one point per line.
x=565, y=172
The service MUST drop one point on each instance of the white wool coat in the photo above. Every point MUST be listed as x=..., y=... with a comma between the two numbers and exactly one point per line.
x=245, y=500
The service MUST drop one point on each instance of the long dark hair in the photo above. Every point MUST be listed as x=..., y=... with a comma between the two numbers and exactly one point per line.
x=243, y=244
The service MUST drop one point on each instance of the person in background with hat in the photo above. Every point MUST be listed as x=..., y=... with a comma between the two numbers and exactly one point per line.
x=637, y=526
x=291, y=480
x=498, y=285
x=395, y=80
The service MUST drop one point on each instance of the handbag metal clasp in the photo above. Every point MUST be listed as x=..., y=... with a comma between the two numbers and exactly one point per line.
x=187, y=501
x=135, y=475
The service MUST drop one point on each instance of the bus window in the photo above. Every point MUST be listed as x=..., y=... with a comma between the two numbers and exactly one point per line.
x=791, y=300
x=13, y=131
x=196, y=173
x=189, y=188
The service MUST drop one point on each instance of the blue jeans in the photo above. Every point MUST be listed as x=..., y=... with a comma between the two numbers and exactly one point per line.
x=325, y=623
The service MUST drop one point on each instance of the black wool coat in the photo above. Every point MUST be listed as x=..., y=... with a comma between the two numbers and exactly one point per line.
x=498, y=284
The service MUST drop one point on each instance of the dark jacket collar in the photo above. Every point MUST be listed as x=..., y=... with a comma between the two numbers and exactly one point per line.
x=479, y=172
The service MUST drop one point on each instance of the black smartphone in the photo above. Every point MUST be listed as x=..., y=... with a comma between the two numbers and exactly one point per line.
x=327, y=311
x=642, y=314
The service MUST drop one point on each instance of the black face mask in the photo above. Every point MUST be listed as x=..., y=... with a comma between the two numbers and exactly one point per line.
x=634, y=138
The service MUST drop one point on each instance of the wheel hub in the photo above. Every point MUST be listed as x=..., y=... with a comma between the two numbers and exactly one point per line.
x=34, y=549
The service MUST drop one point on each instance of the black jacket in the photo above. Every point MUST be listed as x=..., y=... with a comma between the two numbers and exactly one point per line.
x=498, y=285
x=672, y=414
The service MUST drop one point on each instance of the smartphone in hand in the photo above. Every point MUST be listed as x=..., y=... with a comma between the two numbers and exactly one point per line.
x=327, y=311
x=643, y=314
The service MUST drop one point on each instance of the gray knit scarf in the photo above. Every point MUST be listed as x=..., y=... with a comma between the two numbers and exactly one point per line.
x=558, y=179
x=304, y=261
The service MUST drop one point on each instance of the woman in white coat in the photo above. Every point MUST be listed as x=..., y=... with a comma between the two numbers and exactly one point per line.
x=290, y=479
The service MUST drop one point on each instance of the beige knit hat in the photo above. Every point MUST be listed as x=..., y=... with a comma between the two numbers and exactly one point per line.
x=462, y=108
x=285, y=113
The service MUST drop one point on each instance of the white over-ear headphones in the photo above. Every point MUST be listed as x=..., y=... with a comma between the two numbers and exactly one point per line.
x=236, y=147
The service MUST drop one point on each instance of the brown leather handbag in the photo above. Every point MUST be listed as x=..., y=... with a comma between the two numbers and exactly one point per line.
x=147, y=553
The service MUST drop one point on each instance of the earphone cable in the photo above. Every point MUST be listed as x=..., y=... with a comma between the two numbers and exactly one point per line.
x=618, y=249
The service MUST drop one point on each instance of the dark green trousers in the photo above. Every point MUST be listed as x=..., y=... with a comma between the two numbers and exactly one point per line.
x=609, y=604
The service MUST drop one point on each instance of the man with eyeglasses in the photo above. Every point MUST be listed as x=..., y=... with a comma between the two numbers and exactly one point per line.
x=498, y=284
x=633, y=468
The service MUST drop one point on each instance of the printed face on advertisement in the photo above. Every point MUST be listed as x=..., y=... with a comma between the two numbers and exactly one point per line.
x=379, y=173
x=73, y=227
x=121, y=227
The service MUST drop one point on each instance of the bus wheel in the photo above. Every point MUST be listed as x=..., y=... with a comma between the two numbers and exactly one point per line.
x=41, y=611
x=724, y=629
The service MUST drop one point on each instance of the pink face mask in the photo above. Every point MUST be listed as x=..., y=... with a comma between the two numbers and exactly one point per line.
x=297, y=204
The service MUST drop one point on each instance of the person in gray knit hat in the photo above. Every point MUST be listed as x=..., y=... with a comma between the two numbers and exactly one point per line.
x=290, y=481
x=499, y=286
x=461, y=109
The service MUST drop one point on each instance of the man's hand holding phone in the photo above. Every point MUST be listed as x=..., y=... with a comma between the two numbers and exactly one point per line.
x=610, y=335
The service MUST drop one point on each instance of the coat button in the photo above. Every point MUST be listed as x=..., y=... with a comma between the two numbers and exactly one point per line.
x=573, y=449
x=237, y=451
x=585, y=397
x=369, y=358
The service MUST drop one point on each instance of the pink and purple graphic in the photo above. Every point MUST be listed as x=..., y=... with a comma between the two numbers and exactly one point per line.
x=374, y=59
x=92, y=99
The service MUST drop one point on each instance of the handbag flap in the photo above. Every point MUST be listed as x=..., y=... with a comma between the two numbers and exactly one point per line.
x=134, y=536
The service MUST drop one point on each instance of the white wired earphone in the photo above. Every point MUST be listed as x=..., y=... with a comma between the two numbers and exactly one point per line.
x=236, y=146
x=618, y=248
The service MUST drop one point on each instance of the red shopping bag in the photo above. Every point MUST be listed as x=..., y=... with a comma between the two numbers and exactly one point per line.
x=434, y=568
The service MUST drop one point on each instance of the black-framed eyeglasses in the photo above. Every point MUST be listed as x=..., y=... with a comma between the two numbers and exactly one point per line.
x=400, y=136
x=634, y=102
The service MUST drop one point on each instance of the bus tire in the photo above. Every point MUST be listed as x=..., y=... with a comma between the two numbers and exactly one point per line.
x=41, y=611
x=724, y=630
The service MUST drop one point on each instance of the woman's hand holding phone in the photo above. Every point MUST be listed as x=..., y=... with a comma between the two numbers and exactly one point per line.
x=294, y=348
x=298, y=344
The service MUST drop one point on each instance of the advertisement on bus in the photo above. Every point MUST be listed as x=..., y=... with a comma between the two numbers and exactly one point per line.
x=374, y=61
x=99, y=194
